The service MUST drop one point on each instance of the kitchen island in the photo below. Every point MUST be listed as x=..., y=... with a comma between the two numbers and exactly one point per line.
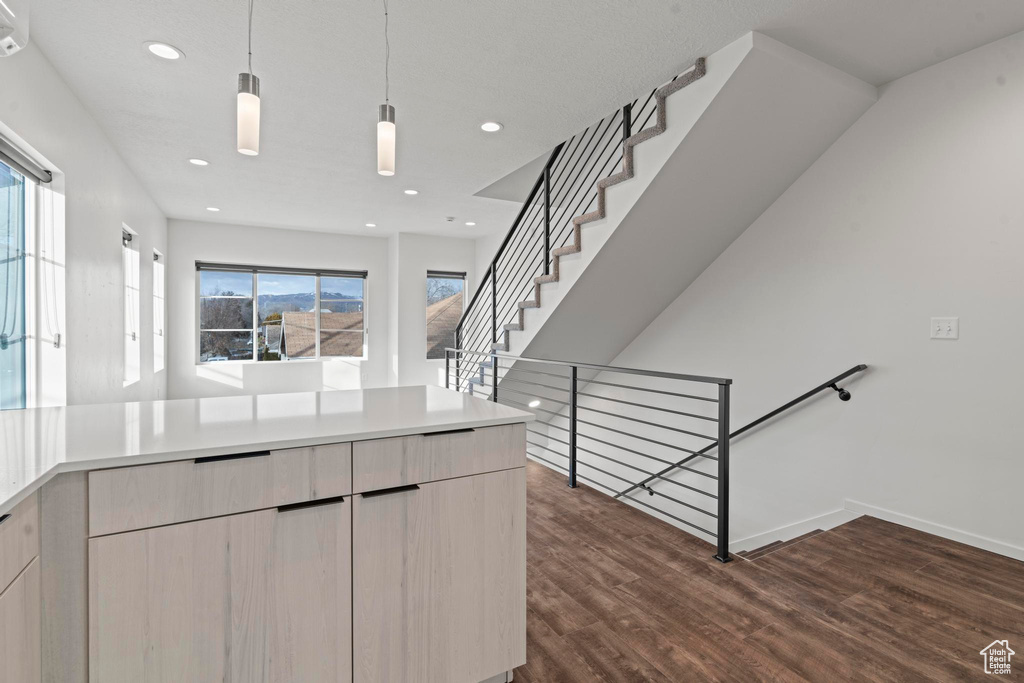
x=372, y=535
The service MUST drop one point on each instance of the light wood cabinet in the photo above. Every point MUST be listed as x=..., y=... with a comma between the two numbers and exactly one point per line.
x=385, y=463
x=439, y=580
x=262, y=596
x=19, y=539
x=128, y=498
x=20, y=659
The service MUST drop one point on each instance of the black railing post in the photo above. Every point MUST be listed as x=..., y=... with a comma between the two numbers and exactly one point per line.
x=627, y=122
x=447, y=370
x=547, y=219
x=572, y=427
x=723, y=474
x=458, y=350
x=494, y=303
x=494, y=372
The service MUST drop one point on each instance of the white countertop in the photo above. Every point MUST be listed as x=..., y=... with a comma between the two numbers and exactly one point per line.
x=39, y=443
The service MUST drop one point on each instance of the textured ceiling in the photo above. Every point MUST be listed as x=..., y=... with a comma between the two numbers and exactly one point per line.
x=544, y=68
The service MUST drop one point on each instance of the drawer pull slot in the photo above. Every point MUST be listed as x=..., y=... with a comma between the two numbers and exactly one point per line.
x=450, y=431
x=4, y=518
x=385, y=492
x=311, y=504
x=231, y=456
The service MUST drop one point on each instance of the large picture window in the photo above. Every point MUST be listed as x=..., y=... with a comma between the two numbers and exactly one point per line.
x=444, y=310
x=277, y=314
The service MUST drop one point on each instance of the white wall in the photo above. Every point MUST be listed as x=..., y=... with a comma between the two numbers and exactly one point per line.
x=414, y=255
x=916, y=211
x=99, y=193
x=193, y=241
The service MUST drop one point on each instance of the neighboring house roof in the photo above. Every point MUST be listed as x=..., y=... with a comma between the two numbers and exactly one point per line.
x=442, y=318
x=273, y=337
x=340, y=334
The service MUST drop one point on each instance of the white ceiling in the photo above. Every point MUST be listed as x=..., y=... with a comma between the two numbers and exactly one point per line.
x=544, y=68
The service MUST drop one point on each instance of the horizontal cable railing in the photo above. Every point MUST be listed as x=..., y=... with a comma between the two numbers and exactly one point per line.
x=566, y=188
x=656, y=419
x=844, y=395
x=627, y=431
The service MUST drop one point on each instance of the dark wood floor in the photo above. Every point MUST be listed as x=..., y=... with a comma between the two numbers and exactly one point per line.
x=616, y=595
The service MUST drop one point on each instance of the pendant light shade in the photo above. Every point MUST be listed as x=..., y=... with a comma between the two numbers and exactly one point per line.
x=248, y=105
x=248, y=114
x=386, y=140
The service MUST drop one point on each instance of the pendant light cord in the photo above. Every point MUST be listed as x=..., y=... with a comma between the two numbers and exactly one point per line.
x=387, y=54
x=250, y=37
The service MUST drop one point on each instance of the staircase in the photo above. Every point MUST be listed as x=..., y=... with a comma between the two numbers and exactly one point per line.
x=661, y=96
x=661, y=187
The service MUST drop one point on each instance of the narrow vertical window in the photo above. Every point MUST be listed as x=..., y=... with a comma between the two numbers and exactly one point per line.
x=159, y=311
x=226, y=316
x=444, y=310
x=12, y=289
x=286, y=316
x=132, y=341
x=342, y=317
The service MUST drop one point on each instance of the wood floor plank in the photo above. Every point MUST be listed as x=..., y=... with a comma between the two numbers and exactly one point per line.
x=615, y=661
x=550, y=658
x=617, y=595
x=554, y=606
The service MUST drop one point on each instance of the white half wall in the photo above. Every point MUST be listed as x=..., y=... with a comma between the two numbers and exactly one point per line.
x=413, y=255
x=220, y=243
x=99, y=193
x=916, y=211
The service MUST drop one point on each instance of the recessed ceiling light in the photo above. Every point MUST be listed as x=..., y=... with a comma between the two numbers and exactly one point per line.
x=470, y=223
x=212, y=208
x=412, y=192
x=491, y=127
x=199, y=162
x=371, y=225
x=534, y=403
x=165, y=51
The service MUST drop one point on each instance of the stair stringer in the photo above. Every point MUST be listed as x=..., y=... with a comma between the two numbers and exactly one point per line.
x=734, y=141
x=649, y=154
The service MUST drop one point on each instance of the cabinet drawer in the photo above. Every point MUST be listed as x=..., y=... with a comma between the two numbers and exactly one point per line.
x=19, y=539
x=152, y=495
x=386, y=463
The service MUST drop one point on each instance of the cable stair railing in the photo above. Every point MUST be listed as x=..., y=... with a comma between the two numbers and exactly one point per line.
x=621, y=424
x=568, y=193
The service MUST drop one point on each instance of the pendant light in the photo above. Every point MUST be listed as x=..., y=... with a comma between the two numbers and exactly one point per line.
x=249, y=105
x=386, y=114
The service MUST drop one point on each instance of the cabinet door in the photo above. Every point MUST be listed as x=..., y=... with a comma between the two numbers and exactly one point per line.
x=439, y=580
x=263, y=596
x=20, y=658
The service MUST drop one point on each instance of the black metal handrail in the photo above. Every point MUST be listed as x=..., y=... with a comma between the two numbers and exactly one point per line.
x=844, y=395
x=512, y=380
x=512, y=231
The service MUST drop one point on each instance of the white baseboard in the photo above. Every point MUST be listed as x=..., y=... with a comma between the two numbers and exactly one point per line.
x=790, y=531
x=983, y=542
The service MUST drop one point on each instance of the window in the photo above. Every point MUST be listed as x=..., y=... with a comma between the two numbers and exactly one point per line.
x=444, y=310
x=277, y=314
x=132, y=339
x=159, y=308
x=12, y=288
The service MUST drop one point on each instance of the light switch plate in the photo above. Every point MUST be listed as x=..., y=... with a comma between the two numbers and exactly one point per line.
x=945, y=328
